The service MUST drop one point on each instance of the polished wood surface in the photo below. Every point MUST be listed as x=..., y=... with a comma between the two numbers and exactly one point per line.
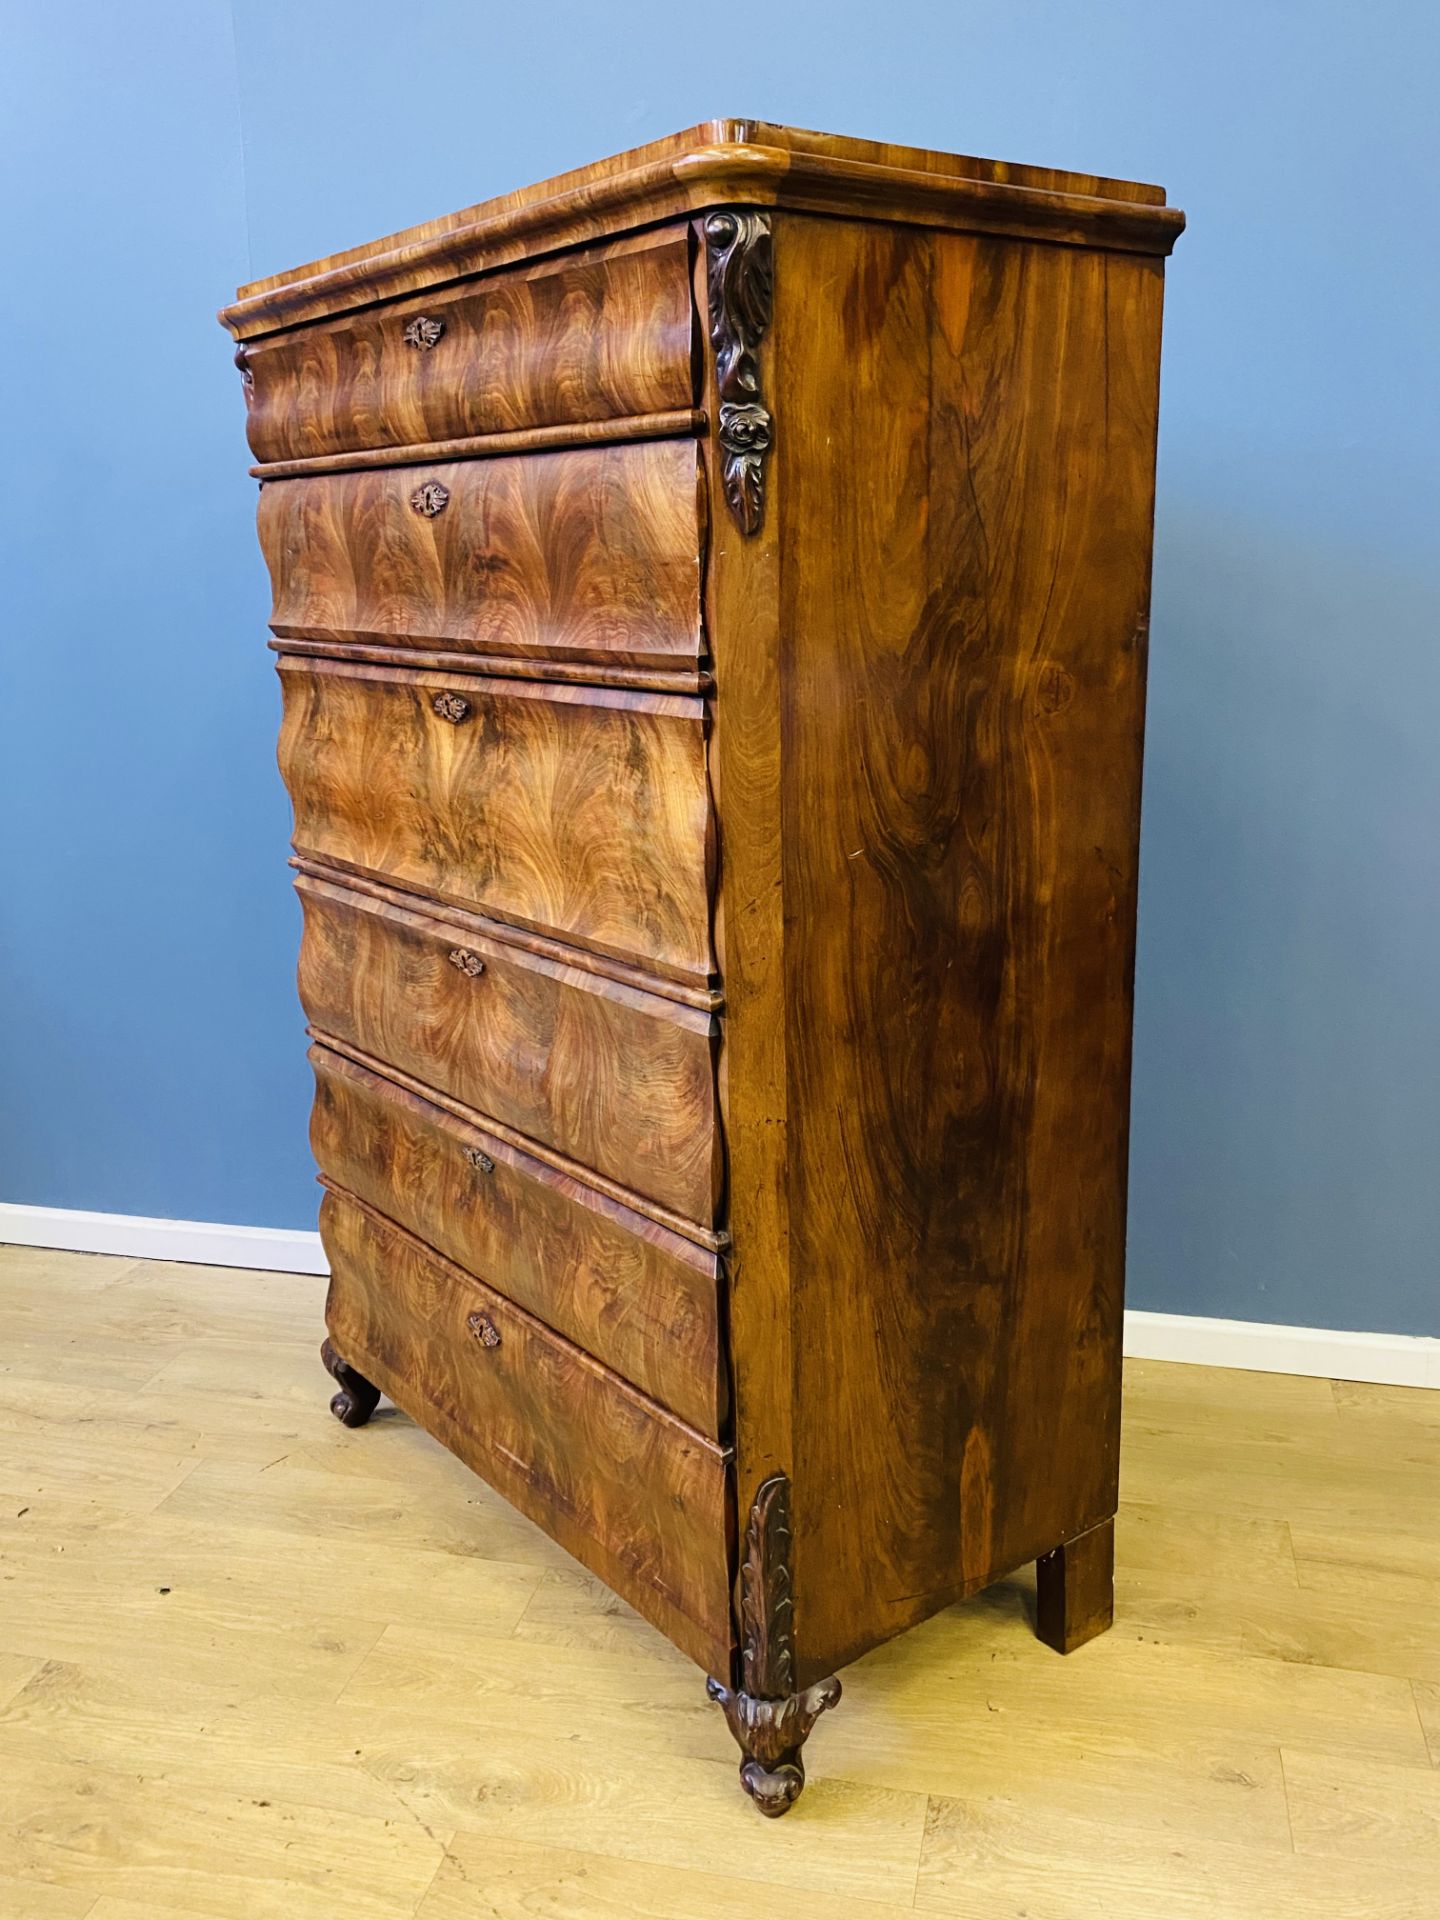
x=639, y=1297
x=591, y=556
x=630, y=1490
x=723, y=162
x=737, y=818
x=1075, y=1589
x=619, y=1080
x=587, y=337
x=960, y=697
x=576, y=811
x=371, y=1685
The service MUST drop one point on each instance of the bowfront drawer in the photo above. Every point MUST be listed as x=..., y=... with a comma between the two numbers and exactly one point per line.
x=584, y=337
x=591, y=555
x=640, y=1298
x=631, y=1491
x=619, y=1080
x=582, y=812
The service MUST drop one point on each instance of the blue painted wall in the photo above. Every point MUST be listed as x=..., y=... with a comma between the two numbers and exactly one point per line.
x=1287, y=1075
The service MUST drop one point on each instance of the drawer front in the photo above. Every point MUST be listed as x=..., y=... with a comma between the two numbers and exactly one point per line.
x=640, y=1298
x=593, y=336
x=621, y=1081
x=629, y=1490
x=581, y=812
x=591, y=555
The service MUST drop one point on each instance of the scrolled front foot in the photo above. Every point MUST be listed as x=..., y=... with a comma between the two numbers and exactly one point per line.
x=770, y=1735
x=357, y=1398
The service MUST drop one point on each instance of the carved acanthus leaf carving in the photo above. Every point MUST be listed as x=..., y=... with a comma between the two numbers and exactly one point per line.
x=769, y=1720
x=742, y=282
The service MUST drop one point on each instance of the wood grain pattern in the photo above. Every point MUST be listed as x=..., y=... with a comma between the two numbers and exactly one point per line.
x=588, y=556
x=723, y=162
x=628, y=1489
x=641, y=1299
x=962, y=696
x=579, y=812
x=581, y=338
x=618, y=1080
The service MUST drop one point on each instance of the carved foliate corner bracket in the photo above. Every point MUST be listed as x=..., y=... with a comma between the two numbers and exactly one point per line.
x=769, y=1719
x=742, y=283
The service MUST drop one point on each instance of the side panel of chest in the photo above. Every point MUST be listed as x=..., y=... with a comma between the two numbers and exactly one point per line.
x=960, y=492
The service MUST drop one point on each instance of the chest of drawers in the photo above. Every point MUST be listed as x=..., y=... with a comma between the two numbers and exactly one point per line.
x=710, y=597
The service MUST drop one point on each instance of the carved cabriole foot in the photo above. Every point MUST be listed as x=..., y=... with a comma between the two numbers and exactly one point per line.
x=1075, y=1589
x=357, y=1398
x=769, y=1719
x=770, y=1735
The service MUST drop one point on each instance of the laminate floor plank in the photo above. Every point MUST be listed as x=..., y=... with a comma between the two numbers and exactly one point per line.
x=254, y=1664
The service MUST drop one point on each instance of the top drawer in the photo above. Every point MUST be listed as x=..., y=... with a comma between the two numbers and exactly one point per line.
x=587, y=336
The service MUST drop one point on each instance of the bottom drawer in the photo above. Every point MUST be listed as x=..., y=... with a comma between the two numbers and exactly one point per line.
x=632, y=1492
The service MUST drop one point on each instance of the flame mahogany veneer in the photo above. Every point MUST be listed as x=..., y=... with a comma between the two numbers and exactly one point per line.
x=711, y=594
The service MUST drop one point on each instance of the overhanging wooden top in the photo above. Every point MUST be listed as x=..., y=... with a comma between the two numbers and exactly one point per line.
x=719, y=163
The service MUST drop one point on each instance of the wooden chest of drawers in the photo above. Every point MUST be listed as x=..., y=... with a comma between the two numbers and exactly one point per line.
x=710, y=592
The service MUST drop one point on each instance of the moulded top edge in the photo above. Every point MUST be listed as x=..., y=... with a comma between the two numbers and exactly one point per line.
x=715, y=163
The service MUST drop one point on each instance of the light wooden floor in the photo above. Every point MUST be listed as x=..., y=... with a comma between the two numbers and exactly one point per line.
x=254, y=1666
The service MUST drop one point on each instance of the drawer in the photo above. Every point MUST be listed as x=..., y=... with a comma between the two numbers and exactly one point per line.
x=617, y=1079
x=631, y=1491
x=591, y=555
x=581, y=812
x=640, y=1298
x=586, y=336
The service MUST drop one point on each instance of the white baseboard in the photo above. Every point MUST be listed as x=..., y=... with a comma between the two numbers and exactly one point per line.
x=1390, y=1359
x=202, y=1242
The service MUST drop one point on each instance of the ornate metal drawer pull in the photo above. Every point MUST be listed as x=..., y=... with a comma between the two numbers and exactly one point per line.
x=479, y=1159
x=484, y=1329
x=430, y=498
x=423, y=332
x=466, y=961
x=451, y=707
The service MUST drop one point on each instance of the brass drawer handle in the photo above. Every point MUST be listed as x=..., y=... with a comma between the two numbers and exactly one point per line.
x=451, y=707
x=464, y=961
x=479, y=1159
x=429, y=498
x=484, y=1329
x=423, y=332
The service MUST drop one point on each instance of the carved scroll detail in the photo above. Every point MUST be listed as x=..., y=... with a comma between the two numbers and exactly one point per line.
x=769, y=1720
x=742, y=282
x=357, y=1398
